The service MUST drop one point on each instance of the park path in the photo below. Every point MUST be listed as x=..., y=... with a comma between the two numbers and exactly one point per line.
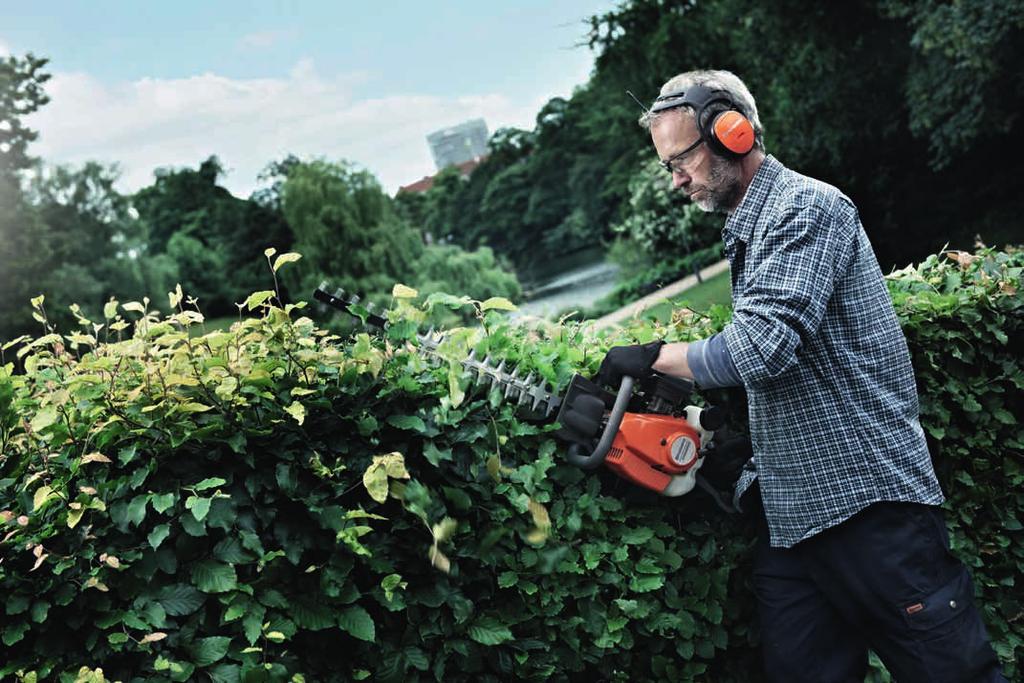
x=677, y=287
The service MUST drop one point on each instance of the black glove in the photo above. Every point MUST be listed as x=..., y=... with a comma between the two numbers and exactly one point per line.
x=723, y=463
x=635, y=361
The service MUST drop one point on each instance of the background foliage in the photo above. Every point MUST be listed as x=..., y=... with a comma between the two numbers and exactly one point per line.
x=915, y=117
x=272, y=502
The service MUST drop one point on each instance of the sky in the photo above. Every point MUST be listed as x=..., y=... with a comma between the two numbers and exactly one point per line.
x=148, y=84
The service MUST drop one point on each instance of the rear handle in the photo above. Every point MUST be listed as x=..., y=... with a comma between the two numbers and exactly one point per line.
x=588, y=462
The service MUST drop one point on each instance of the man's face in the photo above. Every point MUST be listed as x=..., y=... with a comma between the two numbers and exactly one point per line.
x=711, y=182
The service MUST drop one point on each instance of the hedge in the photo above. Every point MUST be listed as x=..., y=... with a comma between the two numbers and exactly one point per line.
x=277, y=503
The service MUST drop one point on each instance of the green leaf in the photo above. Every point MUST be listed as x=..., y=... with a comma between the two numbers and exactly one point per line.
x=206, y=651
x=40, y=608
x=488, y=631
x=137, y=509
x=17, y=604
x=637, y=536
x=499, y=303
x=45, y=417
x=416, y=658
x=312, y=616
x=230, y=550
x=200, y=507
x=210, y=483
x=1004, y=416
x=643, y=584
x=411, y=422
x=225, y=673
x=192, y=526
x=157, y=535
x=358, y=622
x=180, y=599
x=14, y=633
x=210, y=576
x=162, y=502
x=252, y=622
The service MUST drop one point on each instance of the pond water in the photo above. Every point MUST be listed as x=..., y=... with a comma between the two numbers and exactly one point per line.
x=577, y=288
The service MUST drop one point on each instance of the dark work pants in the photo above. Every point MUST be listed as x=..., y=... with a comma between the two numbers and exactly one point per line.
x=884, y=579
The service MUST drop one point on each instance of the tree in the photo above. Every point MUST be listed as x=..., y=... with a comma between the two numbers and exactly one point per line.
x=23, y=255
x=21, y=94
x=215, y=239
x=94, y=242
x=346, y=228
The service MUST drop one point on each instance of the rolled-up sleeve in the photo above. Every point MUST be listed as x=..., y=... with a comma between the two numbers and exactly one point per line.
x=785, y=297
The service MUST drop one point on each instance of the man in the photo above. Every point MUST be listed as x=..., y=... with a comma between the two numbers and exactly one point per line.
x=854, y=552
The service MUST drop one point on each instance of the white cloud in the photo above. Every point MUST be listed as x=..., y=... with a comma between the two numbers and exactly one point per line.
x=4, y=50
x=152, y=122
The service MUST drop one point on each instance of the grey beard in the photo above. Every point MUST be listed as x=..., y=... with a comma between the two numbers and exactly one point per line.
x=722, y=191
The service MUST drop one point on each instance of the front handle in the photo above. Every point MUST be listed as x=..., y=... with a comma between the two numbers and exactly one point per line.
x=604, y=444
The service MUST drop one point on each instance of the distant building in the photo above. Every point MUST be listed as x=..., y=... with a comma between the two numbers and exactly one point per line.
x=458, y=144
x=427, y=182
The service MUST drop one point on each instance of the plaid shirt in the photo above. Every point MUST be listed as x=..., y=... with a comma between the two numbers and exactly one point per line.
x=831, y=392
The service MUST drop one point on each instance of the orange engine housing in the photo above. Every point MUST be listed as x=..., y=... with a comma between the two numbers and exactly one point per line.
x=650, y=449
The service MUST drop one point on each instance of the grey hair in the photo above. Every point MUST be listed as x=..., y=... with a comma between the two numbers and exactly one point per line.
x=716, y=80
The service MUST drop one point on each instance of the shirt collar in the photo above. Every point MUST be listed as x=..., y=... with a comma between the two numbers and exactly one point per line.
x=741, y=221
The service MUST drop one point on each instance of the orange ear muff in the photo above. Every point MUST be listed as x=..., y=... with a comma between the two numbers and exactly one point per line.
x=734, y=131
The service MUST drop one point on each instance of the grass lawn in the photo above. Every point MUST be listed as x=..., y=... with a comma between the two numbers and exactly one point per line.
x=715, y=290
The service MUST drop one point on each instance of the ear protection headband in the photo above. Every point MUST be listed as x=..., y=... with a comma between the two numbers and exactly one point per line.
x=725, y=130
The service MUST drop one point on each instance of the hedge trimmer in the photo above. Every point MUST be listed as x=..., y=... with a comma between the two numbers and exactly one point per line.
x=645, y=432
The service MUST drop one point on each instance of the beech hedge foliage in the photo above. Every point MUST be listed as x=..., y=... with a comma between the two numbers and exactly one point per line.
x=278, y=503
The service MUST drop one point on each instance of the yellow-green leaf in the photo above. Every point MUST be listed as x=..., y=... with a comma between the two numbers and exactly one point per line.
x=494, y=467
x=110, y=309
x=375, y=479
x=74, y=517
x=134, y=306
x=269, y=251
x=193, y=407
x=175, y=296
x=498, y=302
x=257, y=298
x=95, y=457
x=455, y=392
x=440, y=560
x=540, y=514
x=443, y=530
x=402, y=292
x=298, y=411
x=394, y=464
x=290, y=257
x=42, y=495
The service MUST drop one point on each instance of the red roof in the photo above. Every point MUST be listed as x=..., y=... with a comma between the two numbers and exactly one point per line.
x=427, y=182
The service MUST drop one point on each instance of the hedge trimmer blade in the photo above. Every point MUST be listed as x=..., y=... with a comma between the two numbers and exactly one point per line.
x=529, y=393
